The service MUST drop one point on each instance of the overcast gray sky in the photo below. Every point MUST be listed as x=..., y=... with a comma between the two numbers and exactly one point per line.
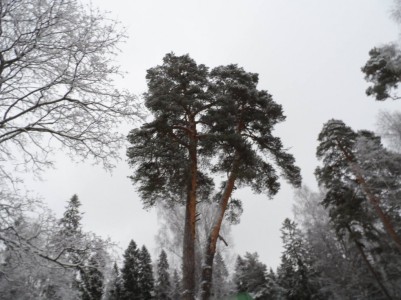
x=308, y=54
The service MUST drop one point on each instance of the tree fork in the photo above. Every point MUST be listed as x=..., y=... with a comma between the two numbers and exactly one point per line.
x=207, y=269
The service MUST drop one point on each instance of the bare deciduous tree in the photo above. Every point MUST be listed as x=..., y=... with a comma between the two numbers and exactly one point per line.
x=56, y=91
x=56, y=79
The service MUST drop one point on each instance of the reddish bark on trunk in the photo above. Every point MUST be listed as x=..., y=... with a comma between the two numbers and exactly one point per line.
x=190, y=220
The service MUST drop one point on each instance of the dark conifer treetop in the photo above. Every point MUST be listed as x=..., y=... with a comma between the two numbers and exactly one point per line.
x=71, y=220
x=130, y=272
x=242, y=122
x=383, y=70
x=146, y=280
x=233, y=118
x=163, y=284
x=177, y=96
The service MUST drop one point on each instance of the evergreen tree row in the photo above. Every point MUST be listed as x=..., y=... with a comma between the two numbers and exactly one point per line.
x=348, y=244
x=136, y=280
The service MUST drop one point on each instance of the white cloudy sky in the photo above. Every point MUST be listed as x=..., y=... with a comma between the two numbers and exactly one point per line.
x=308, y=54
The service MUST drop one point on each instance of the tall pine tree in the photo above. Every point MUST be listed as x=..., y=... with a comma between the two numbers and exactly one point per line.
x=165, y=152
x=346, y=166
x=197, y=117
x=248, y=153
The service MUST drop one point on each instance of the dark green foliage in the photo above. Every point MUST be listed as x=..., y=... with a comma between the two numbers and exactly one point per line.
x=361, y=178
x=163, y=285
x=335, y=141
x=233, y=119
x=130, y=273
x=243, y=119
x=91, y=282
x=70, y=234
x=177, y=96
x=383, y=70
x=175, y=86
x=136, y=274
x=250, y=275
x=206, y=123
x=345, y=155
x=146, y=280
x=295, y=273
x=349, y=157
x=71, y=221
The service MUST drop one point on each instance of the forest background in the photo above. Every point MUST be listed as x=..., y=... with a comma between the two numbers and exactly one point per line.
x=308, y=56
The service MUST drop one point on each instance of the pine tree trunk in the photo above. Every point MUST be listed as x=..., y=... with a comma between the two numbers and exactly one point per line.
x=207, y=268
x=189, y=228
x=375, y=201
x=189, y=251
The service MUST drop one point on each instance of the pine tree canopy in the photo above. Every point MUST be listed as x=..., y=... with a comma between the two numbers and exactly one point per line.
x=224, y=114
x=383, y=70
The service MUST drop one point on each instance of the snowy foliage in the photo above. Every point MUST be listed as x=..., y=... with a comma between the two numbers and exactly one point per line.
x=45, y=258
x=163, y=284
x=56, y=87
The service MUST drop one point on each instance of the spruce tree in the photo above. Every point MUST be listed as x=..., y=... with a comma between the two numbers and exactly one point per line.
x=145, y=280
x=220, y=276
x=296, y=273
x=176, y=286
x=70, y=235
x=163, y=285
x=92, y=280
x=71, y=239
x=250, y=275
x=71, y=221
x=130, y=273
x=115, y=285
